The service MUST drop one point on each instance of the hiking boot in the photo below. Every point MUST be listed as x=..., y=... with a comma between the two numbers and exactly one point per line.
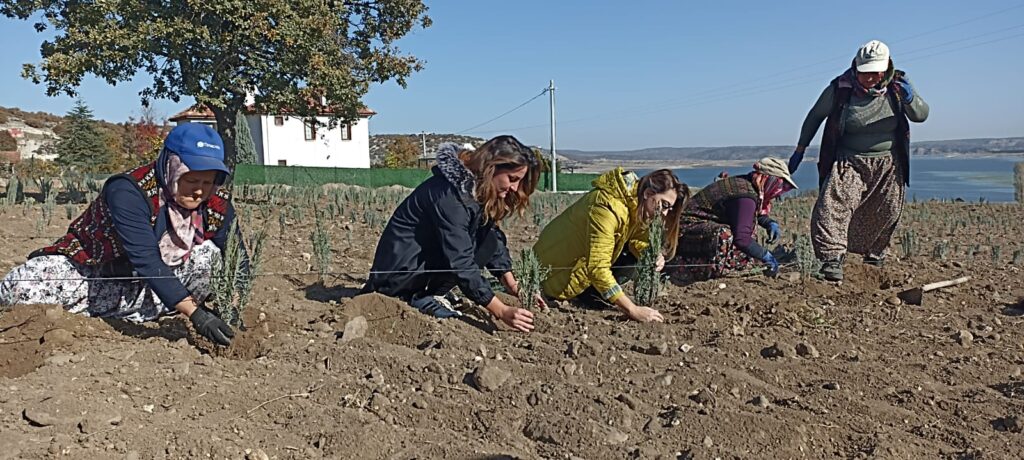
x=875, y=261
x=832, y=270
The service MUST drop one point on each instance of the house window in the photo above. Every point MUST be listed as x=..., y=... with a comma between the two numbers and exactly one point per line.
x=310, y=128
x=346, y=132
x=282, y=162
x=278, y=121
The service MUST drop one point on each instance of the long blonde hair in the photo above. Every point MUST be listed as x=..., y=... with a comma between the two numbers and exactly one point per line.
x=661, y=181
x=502, y=153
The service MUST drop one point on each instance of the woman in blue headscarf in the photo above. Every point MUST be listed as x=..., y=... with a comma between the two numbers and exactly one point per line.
x=146, y=246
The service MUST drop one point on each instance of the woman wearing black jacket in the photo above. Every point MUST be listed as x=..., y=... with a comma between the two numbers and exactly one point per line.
x=446, y=231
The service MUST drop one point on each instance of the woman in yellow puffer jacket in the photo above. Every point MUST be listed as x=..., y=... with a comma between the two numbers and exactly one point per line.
x=594, y=245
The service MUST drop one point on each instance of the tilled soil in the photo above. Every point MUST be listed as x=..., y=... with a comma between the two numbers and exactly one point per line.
x=744, y=367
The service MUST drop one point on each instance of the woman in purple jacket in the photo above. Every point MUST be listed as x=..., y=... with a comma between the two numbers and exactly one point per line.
x=716, y=230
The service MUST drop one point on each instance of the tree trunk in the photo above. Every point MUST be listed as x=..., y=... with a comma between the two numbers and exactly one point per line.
x=226, y=118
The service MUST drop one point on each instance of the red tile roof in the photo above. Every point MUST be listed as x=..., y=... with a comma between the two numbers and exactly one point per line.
x=201, y=112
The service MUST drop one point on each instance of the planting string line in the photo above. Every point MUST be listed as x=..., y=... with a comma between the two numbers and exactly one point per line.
x=282, y=274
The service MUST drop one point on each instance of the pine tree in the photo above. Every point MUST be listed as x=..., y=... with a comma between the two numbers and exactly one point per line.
x=84, y=144
x=246, y=149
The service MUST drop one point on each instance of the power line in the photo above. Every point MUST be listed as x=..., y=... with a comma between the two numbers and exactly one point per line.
x=543, y=92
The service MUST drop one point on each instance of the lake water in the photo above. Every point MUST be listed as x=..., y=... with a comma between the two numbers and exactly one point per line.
x=939, y=178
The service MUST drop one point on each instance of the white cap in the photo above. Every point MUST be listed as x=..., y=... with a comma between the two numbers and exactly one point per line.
x=872, y=57
x=468, y=146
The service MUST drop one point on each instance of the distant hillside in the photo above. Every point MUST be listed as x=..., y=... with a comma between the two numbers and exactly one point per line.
x=30, y=130
x=979, y=147
x=34, y=130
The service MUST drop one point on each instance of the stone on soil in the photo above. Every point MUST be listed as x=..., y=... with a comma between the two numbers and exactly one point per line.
x=40, y=417
x=761, y=401
x=489, y=377
x=542, y=431
x=779, y=350
x=807, y=350
x=355, y=329
x=629, y=400
x=964, y=338
x=58, y=337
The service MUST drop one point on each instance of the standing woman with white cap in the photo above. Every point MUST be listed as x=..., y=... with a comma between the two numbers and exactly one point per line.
x=144, y=248
x=864, y=163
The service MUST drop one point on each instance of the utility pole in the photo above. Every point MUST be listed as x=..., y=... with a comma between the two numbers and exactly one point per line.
x=554, y=154
x=423, y=135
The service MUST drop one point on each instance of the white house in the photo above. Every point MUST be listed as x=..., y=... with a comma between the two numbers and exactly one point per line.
x=287, y=140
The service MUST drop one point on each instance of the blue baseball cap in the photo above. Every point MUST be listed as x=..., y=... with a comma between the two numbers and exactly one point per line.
x=198, y=146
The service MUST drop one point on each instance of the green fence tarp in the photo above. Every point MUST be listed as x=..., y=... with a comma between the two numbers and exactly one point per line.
x=303, y=176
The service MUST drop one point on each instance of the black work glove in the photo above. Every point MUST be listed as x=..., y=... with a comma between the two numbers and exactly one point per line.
x=211, y=326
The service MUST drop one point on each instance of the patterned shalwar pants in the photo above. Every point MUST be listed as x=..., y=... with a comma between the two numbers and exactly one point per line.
x=858, y=208
x=80, y=289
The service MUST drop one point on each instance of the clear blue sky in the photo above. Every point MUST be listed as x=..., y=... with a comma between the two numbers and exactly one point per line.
x=655, y=73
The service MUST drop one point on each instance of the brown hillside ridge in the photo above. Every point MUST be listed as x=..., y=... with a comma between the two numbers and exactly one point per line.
x=743, y=367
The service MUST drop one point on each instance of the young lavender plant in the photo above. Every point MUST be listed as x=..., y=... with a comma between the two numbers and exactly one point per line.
x=15, y=192
x=648, y=279
x=321, y=240
x=909, y=244
x=940, y=251
x=232, y=282
x=805, y=260
x=530, y=274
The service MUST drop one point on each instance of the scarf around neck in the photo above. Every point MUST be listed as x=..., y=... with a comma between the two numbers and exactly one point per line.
x=184, y=226
x=769, y=188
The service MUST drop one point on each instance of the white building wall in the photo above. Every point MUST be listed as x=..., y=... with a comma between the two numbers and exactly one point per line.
x=286, y=144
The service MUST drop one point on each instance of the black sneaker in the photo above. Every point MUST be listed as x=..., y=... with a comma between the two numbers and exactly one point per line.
x=832, y=270
x=876, y=261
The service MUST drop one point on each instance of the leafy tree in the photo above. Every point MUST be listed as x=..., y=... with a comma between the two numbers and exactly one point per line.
x=402, y=153
x=299, y=56
x=243, y=142
x=143, y=137
x=84, y=144
x=545, y=160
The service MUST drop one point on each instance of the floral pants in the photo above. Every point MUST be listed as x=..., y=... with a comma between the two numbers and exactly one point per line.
x=858, y=208
x=80, y=289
